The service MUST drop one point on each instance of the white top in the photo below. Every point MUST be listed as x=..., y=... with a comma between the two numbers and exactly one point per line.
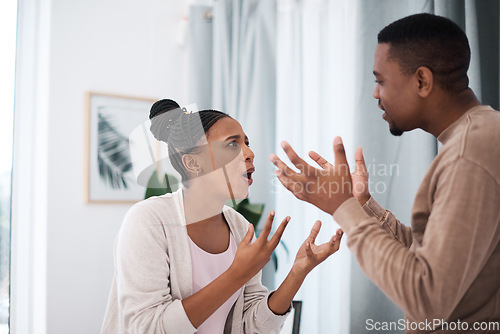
x=206, y=267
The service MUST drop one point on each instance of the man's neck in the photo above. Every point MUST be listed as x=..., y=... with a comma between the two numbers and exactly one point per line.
x=448, y=110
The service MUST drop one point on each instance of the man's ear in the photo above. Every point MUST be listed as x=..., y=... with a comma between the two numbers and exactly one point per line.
x=425, y=81
x=190, y=162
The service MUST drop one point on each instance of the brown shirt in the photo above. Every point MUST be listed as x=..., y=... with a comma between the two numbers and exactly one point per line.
x=446, y=268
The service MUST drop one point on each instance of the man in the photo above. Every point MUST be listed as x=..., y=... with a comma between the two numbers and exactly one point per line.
x=444, y=271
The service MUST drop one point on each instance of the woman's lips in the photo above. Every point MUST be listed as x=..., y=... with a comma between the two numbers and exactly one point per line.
x=248, y=175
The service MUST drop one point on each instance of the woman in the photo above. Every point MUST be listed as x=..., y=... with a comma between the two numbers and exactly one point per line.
x=185, y=262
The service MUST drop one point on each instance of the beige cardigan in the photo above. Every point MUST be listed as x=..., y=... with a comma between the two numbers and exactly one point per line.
x=153, y=274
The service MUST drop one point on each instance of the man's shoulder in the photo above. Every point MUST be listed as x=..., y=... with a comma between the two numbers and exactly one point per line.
x=479, y=140
x=481, y=134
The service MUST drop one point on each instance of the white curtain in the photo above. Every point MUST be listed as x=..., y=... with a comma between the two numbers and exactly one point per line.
x=315, y=99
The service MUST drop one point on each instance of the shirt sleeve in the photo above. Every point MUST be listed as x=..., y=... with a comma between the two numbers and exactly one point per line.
x=460, y=235
x=142, y=271
x=389, y=223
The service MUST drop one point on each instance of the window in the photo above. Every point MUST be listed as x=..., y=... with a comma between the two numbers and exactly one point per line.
x=8, y=20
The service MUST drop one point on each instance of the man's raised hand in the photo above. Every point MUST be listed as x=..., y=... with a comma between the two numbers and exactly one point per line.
x=326, y=188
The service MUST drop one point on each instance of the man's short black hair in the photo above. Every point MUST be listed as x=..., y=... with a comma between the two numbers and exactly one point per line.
x=432, y=41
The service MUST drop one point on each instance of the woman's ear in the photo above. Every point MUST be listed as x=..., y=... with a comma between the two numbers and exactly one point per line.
x=425, y=80
x=190, y=162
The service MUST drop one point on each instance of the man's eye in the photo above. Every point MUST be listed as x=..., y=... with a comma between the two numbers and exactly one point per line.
x=233, y=144
x=378, y=82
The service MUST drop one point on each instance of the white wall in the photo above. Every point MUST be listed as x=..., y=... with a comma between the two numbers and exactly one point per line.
x=116, y=46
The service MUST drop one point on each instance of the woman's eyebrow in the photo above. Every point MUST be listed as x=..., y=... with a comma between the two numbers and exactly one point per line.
x=236, y=137
x=233, y=137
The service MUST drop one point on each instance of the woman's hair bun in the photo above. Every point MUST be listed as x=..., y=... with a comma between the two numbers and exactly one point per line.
x=170, y=123
x=162, y=106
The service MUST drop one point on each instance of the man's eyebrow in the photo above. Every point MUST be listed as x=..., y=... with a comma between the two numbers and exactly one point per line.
x=375, y=73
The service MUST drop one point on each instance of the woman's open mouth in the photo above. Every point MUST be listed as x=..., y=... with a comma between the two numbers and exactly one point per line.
x=248, y=175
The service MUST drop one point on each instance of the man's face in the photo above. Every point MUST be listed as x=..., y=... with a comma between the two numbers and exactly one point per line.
x=395, y=92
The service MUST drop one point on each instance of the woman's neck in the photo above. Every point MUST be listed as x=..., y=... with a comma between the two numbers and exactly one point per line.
x=201, y=205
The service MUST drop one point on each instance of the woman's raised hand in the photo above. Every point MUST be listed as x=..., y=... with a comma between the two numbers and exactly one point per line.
x=251, y=257
x=310, y=254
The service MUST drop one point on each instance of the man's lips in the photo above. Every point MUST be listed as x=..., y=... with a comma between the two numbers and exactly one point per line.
x=381, y=106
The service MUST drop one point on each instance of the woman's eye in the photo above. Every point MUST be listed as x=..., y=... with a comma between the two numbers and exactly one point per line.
x=378, y=82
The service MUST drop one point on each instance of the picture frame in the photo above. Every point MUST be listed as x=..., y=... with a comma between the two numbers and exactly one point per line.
x=110, y=118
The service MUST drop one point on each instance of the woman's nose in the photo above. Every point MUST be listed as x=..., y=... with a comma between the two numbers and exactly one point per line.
x=248, y=154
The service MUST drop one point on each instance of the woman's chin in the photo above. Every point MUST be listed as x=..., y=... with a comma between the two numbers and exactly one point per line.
x=241, y=195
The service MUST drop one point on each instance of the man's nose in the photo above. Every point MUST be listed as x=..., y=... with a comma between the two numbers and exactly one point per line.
x=376, y=93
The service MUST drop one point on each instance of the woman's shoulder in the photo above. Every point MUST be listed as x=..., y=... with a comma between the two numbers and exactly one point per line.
x=156, y=210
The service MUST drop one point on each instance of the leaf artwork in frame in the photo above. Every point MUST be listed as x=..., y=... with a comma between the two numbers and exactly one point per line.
x=110, y=120
x=113, y=154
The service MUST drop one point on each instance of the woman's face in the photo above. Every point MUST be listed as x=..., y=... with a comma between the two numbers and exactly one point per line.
x=227, y=161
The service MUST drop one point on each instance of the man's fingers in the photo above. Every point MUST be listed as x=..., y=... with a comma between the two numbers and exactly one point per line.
x=360, y=166
x=319, y=160
x=294, y=157
x=339, y=151
x=282, y=167
x=290, y=184
x=275, y=240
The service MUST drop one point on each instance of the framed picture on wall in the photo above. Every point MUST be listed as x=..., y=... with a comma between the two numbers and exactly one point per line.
x=111, y=118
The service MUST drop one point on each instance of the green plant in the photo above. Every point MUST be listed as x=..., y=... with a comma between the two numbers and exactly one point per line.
x=157, y=187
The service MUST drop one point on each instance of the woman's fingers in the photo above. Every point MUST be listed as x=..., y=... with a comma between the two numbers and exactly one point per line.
x=275, y=240
x=314, y=231
x=309, y=251
x=248, y=237
x=267, y=227
x=334, y=242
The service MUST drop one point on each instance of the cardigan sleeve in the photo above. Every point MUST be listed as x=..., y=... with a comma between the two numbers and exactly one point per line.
x=142, y=278
x=257, y=316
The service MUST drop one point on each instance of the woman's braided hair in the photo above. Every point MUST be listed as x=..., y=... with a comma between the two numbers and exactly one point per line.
x=180, y=129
